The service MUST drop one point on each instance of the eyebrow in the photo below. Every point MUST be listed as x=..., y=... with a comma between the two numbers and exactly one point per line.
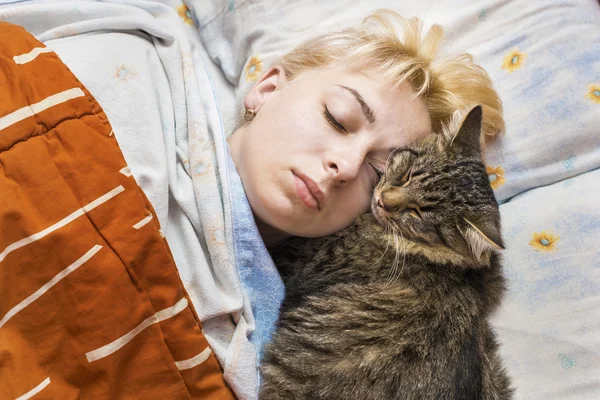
x=369, y=115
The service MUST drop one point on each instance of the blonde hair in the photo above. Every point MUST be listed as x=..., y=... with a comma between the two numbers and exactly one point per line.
x=395, y=49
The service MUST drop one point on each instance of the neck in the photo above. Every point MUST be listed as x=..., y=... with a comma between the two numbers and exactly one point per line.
x=269, y=234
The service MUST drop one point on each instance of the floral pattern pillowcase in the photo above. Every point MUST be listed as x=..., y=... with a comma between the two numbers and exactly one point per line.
x=543, y=60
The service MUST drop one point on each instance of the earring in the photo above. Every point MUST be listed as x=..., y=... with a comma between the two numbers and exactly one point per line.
x=249, y=115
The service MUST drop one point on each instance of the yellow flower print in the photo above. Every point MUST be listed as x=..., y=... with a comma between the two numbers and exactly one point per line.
x=496, y=176
x=185, y=14
x=253, y=69
x=513, y=60
x=544, y=241
x=593, y=93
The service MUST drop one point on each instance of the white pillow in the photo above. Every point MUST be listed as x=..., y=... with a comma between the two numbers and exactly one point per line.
x=549, y=321
x=552, y=108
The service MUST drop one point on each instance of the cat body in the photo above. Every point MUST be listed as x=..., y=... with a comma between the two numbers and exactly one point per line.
x=396, y=305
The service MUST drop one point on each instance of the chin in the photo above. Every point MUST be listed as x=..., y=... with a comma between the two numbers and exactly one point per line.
x=270, y=207
x=279, y=216
x=292, y=218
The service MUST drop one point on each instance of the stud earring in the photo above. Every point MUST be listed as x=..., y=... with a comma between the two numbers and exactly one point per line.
x=249, y=115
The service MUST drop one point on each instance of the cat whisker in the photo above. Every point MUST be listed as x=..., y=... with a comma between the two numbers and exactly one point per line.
x=396, y=261
x=389, y=232
x=385, y=234
x=395, y=271
x=403, y=255
x=394, y=268
x=391, y=270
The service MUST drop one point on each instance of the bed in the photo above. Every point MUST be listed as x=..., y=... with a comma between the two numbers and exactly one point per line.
x=179, y=73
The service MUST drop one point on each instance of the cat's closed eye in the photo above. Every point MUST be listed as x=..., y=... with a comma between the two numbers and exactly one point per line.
x=406, y=178
x=415, y=211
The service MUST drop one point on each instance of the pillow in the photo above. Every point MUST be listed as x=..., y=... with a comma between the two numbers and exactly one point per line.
x=549, y=85
x=549, y=321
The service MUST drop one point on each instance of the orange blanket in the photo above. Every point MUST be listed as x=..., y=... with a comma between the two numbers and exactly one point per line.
x=91, y=303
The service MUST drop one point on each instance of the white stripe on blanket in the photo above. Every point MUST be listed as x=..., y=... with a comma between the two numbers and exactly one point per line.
x=143, y=222
x=57, y=278
x=114, y=346
x=35, y=390
x=32, y=55
x=48, y=102
x=69, y=218
x=194, y=361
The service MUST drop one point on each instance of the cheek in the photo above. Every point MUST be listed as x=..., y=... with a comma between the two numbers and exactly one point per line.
x=351, y=205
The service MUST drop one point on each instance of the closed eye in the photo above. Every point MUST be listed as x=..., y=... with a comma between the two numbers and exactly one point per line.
x=415, y=211
x=406, y=178
x=377, y=171
x=332, y=121
x=378, y=175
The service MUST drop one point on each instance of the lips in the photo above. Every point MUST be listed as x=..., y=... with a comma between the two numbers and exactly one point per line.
x=308, y=191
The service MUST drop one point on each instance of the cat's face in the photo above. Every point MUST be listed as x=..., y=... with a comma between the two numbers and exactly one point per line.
x=439, y=194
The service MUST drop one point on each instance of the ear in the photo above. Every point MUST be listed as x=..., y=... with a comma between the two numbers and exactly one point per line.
x=273, y=79
x=467, y=139
x=482, y=236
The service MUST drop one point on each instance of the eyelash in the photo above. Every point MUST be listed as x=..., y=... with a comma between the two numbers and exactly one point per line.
x=379, y=175
x=377, y=171
x=332, y=121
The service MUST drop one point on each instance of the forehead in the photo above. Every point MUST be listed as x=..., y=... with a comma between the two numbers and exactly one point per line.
x=396, y=111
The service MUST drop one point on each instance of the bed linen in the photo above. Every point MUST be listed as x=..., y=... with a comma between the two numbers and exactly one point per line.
x=144, y=64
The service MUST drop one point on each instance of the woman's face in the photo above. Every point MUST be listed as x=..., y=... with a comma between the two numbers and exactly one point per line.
x=309, y=159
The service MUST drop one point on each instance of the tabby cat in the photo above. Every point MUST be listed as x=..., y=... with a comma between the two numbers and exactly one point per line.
x=396, y=305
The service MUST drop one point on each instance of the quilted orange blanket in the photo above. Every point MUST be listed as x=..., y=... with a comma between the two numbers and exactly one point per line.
x=91, y=303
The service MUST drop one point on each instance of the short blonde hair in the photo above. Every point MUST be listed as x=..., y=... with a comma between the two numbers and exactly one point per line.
x=396, y=50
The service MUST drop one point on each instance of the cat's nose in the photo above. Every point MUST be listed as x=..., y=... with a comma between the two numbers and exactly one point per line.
x=392, y=200
x=382, y=204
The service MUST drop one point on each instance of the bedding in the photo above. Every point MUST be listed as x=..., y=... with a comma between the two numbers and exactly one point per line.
x=549, y=322
x=91, y=301
x=544, y=59
x=145, y=65
x=172, y=88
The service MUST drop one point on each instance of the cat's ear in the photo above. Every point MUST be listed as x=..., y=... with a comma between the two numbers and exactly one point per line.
x=467, y=139
x=482, y=236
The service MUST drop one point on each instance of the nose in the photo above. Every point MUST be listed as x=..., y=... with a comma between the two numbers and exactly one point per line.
x=392, y=200
x=345, y=166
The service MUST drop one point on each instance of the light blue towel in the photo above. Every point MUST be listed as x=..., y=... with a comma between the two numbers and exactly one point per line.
x=259, y=276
